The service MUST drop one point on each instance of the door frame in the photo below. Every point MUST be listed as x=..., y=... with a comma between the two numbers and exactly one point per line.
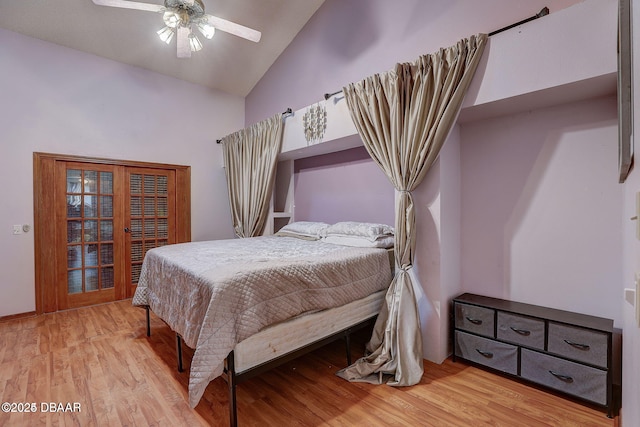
x=44, y=229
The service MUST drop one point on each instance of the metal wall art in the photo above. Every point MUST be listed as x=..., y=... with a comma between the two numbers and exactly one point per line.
x=314, y=123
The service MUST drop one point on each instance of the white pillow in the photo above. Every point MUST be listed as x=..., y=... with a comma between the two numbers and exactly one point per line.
x=366, y=230
x=304, y=230
x=385, y=242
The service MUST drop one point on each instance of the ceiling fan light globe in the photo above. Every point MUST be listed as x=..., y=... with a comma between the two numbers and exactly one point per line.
x=207, y=30
x=166, y=34
x=171, y=19
x=194, y=43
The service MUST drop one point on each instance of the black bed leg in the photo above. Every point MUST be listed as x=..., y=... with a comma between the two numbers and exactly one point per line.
x=148, y=321
x=347, y=340
x=179, y=351
x=231, y=382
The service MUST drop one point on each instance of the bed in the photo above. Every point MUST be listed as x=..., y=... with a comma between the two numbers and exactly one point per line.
x=241, y=303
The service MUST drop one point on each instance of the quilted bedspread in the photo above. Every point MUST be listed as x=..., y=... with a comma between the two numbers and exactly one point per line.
x=217, y=293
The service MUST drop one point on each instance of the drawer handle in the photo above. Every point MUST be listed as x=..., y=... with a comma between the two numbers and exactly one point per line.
x=565, y=378
x=521, y=331
x=474, y=321
x=578, y=345
x=486, y=354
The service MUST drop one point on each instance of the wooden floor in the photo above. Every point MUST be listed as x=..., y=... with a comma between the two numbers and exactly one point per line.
x=100, y=360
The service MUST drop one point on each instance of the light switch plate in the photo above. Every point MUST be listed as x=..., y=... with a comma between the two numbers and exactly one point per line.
x=630, y=296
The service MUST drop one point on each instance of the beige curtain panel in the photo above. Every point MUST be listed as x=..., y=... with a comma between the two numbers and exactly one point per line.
x=250, y=160
x=404, y=117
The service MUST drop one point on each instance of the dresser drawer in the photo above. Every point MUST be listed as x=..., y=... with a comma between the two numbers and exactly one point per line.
x=496, y=355
x=527, y=331
x=479, y=320
x=579, y=344
x=569, y=377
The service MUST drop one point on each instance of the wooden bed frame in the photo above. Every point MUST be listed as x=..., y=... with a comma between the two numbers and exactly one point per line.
x=233, y=378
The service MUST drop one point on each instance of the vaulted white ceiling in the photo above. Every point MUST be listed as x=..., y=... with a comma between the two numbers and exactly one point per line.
x=227, y=63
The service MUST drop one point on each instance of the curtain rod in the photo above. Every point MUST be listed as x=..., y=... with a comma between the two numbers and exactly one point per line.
x=285, y=113
x=543, y=12
x=329, y=95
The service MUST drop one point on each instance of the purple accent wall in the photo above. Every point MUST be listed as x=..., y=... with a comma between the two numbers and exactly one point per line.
x=541, y=208
x=346, y=41
x=342, y=186
x=631, y=331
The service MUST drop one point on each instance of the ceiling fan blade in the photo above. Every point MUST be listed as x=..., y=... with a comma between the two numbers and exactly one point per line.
x=233, y=28
x=130, y=5
x=182, y=41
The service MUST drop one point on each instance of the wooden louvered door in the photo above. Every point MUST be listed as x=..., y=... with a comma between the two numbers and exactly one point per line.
x=95, y=219
x=109, y=216
x=150, y=217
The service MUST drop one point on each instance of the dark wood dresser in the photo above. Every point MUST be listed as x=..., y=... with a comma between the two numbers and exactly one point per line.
x=568, y=352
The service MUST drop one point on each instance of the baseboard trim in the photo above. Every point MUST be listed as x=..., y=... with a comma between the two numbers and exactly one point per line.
x=17, y=316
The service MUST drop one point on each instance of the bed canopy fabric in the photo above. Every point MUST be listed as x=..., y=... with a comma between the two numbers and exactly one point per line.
x=250, y=160
x=404, y=117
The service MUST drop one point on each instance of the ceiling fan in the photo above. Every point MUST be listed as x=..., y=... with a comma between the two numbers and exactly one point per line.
x=180, y=16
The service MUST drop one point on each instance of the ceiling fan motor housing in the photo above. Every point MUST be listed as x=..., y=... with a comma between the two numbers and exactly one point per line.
x=188, y=11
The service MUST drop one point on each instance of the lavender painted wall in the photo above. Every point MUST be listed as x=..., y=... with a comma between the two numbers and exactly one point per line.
x=348, y=40
x=58, y=100
x=631, y=326
x=542, y=208
x=437, y=259
x=342, y=186
x=631, y=267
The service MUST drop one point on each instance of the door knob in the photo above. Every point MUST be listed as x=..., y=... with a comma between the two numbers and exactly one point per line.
x=127, y=230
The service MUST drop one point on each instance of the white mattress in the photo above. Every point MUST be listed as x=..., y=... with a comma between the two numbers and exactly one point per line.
x=285, y=337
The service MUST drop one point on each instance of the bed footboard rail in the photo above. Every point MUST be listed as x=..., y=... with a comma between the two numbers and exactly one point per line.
x=234, y=378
